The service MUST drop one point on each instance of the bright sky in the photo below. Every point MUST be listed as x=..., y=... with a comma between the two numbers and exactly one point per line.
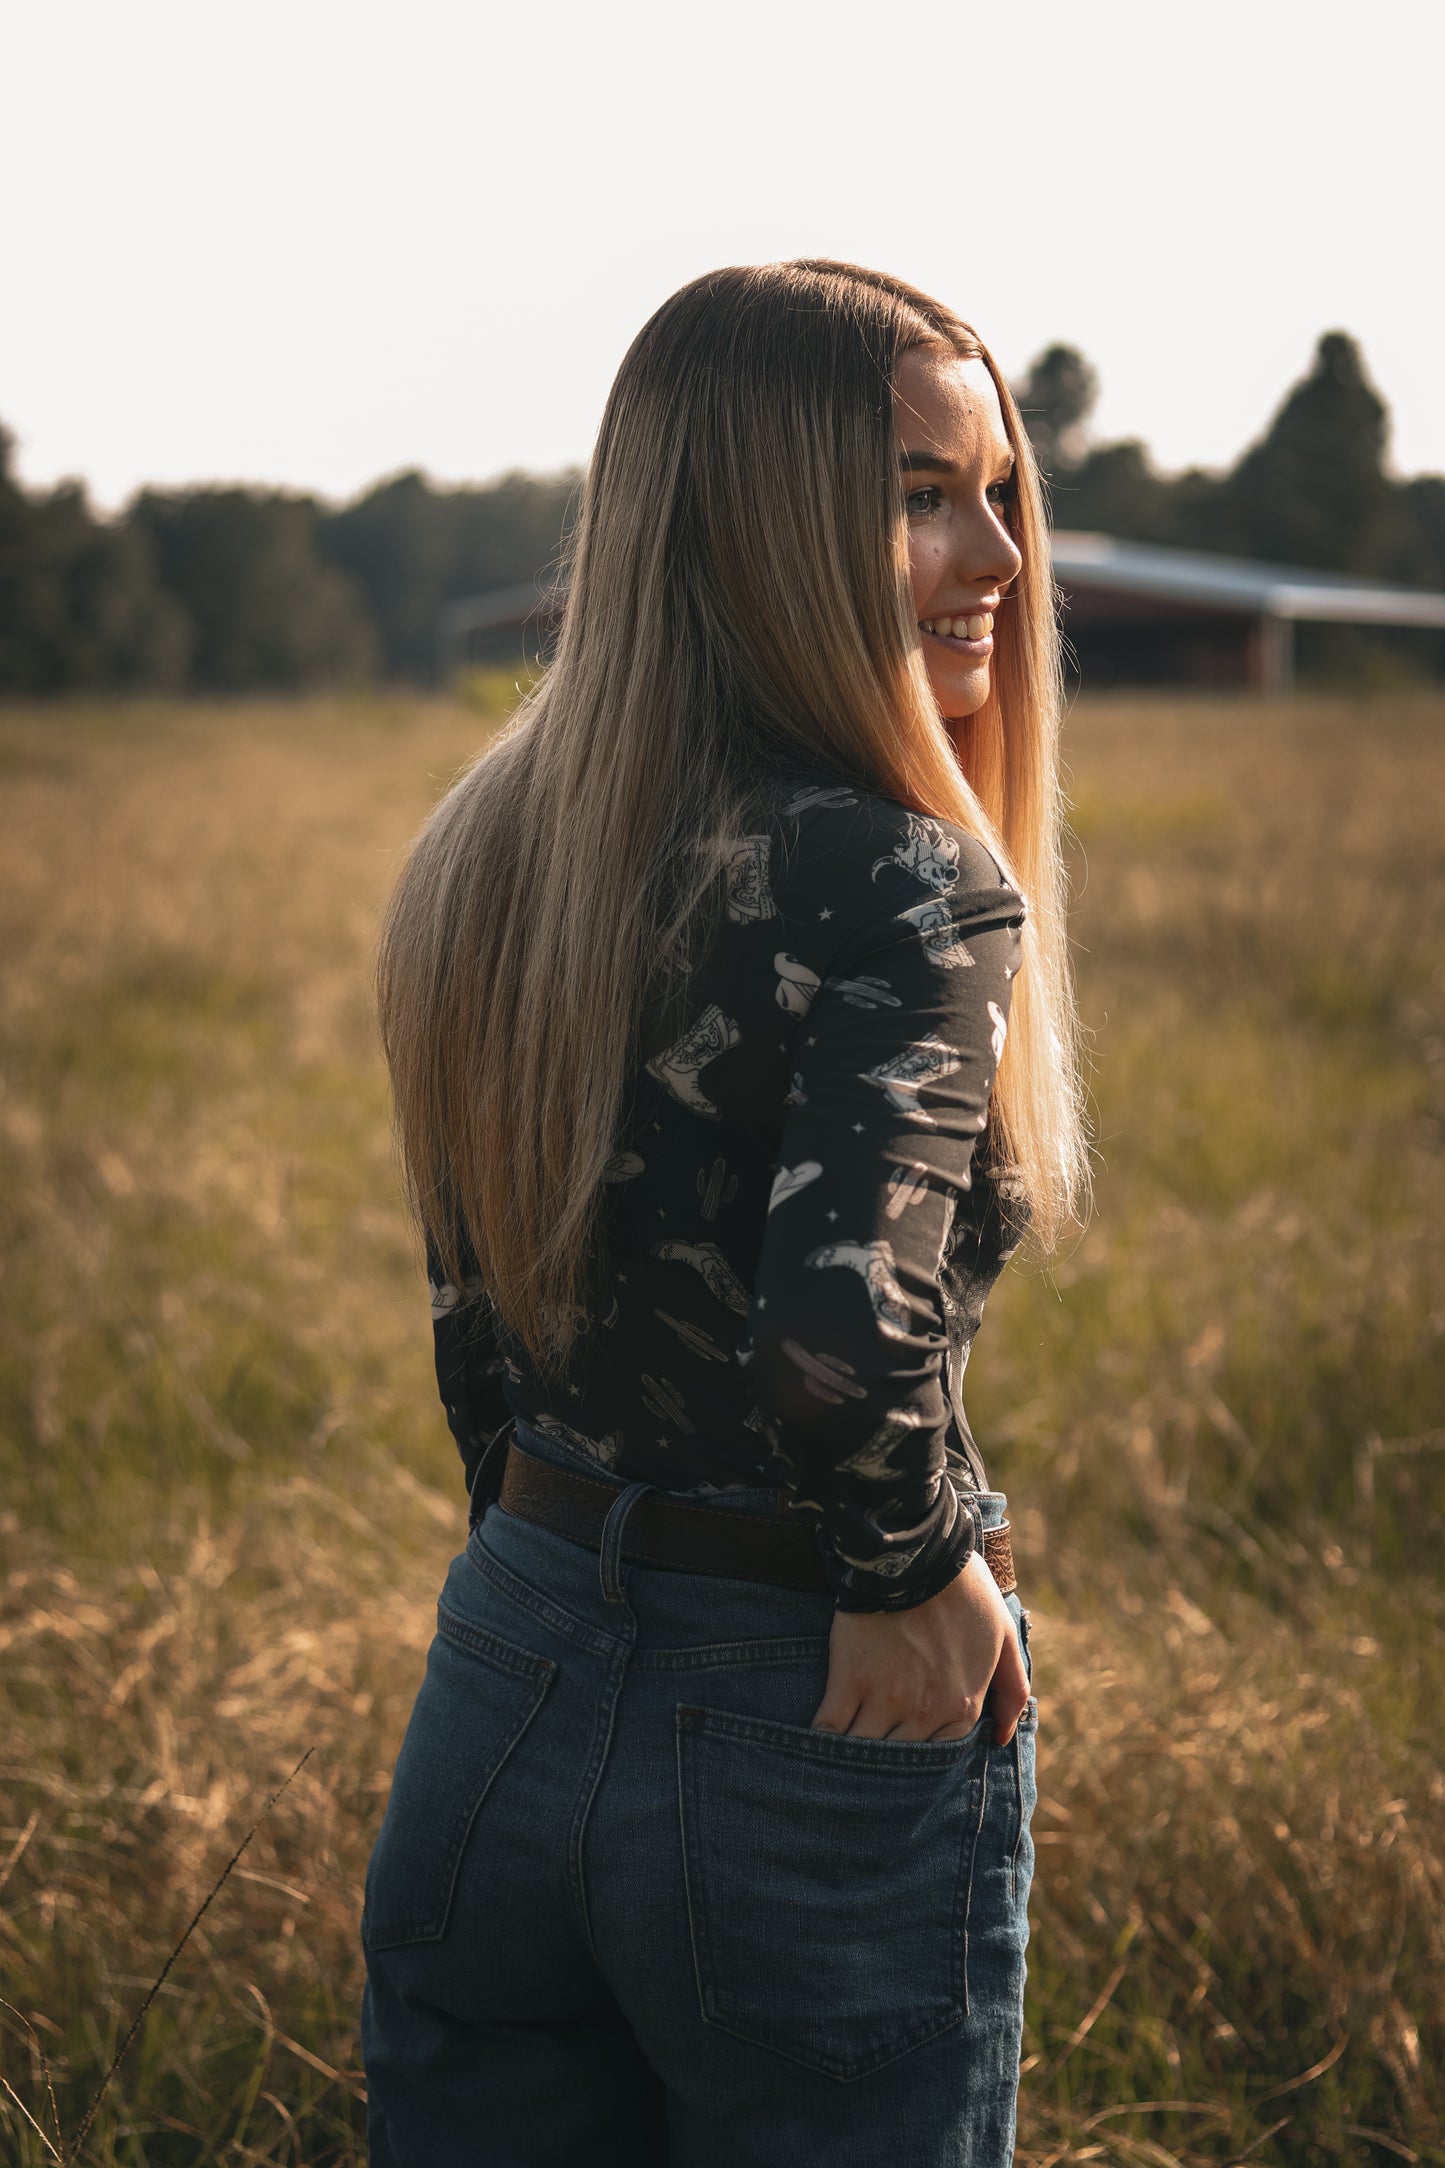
x=314, y=241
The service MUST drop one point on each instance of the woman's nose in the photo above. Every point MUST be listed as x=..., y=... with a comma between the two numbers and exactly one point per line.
x=990, y=555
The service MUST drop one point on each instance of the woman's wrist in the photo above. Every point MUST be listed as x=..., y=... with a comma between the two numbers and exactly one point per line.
x=937, y=1565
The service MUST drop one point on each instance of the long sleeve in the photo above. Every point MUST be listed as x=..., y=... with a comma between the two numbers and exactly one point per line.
x=470, y=1369
x=894, y=1062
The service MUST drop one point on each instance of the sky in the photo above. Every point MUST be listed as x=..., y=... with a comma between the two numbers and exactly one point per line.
x=313, y=243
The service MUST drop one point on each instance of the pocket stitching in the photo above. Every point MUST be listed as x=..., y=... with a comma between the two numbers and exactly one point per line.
x=849, y=1748
x=535, y=1671
x=477, y=1641
x=697, y=1722
x=1013, y=1858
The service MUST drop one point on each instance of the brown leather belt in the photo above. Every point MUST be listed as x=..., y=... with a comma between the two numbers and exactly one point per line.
x=662, y=1531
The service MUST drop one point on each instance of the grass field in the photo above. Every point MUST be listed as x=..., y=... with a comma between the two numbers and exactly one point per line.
x=227, y=1496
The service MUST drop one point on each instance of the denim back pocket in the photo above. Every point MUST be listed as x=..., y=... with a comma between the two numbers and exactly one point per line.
x=827, y=1880
x=478, y=1697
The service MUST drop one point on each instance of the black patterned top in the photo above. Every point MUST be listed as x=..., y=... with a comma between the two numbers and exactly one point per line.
x=800, y=1229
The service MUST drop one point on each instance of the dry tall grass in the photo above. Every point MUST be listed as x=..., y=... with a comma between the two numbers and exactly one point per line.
x=228, y=1497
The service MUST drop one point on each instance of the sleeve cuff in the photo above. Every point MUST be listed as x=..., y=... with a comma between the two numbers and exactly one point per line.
x=935, y=1561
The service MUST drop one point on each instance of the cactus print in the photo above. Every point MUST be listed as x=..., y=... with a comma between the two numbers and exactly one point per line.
x=801, y=1216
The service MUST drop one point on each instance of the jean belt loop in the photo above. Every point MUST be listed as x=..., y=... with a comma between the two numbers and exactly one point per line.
x=610, y=1559
x=493, y=1457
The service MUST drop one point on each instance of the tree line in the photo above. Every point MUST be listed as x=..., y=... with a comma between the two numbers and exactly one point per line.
x=227, y=589
x=222, y=590
x=1313, y=490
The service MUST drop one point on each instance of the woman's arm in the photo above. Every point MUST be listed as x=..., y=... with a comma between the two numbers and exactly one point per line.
x=470, y=1369
x=895, y=1061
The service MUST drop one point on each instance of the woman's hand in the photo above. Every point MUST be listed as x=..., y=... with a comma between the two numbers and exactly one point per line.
x=928, y=1672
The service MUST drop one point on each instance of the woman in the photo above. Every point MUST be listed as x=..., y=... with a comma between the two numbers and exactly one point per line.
x=728, y=1015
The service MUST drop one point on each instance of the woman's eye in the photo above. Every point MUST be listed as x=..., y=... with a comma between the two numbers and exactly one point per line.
x=1004, y=493
x=924, y=500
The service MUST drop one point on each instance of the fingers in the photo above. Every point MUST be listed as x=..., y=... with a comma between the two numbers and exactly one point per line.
x=877, y=1720
x=1006, y=1724
x=923, y=1727
x=1005, y=1704
x=960, y=1730
x=836, y=1710
x=1008, y=1695
x=881, y=1719
x=930, y=1672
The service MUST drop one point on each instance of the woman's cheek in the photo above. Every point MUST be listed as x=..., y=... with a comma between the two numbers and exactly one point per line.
x=925, y=561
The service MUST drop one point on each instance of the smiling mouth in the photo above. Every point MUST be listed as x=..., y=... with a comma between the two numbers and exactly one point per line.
x=968, y=631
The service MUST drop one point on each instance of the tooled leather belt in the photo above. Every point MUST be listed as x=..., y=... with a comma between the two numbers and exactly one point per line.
x=662, y=1531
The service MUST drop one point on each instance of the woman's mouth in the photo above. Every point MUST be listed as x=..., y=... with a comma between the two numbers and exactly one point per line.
x=965, y=635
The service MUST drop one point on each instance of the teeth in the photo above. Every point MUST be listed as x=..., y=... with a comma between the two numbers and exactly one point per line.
x=959, y=628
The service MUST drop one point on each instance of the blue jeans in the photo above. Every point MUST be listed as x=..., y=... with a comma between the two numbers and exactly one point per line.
x=627, y=1908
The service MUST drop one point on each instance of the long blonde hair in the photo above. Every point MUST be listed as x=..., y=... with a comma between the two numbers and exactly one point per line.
x=737, y=582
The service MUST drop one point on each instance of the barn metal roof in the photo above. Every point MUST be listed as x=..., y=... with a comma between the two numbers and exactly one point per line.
x=1200, y=578
x=1101, y=562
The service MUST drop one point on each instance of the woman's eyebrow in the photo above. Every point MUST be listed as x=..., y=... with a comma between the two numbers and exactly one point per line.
x=909, y=460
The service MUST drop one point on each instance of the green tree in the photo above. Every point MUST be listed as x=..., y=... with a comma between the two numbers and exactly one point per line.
x=1313, y=490
x=82, y=607
x=1415, y=549
x=1115, y=490
x=268, y=611
x=411, y=547
x=1056, y=398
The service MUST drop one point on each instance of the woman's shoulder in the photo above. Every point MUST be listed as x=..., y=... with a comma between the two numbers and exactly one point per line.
x=826, y=821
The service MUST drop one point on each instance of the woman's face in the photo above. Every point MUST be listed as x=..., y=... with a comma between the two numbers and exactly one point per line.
x=958, y=470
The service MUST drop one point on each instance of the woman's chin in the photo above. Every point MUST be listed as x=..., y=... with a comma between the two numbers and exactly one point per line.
x=960, y=691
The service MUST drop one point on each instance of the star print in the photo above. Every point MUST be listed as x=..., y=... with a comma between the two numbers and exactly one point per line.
x=722, y=1186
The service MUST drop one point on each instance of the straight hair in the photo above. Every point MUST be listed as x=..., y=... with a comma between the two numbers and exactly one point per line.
x=737, y=586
